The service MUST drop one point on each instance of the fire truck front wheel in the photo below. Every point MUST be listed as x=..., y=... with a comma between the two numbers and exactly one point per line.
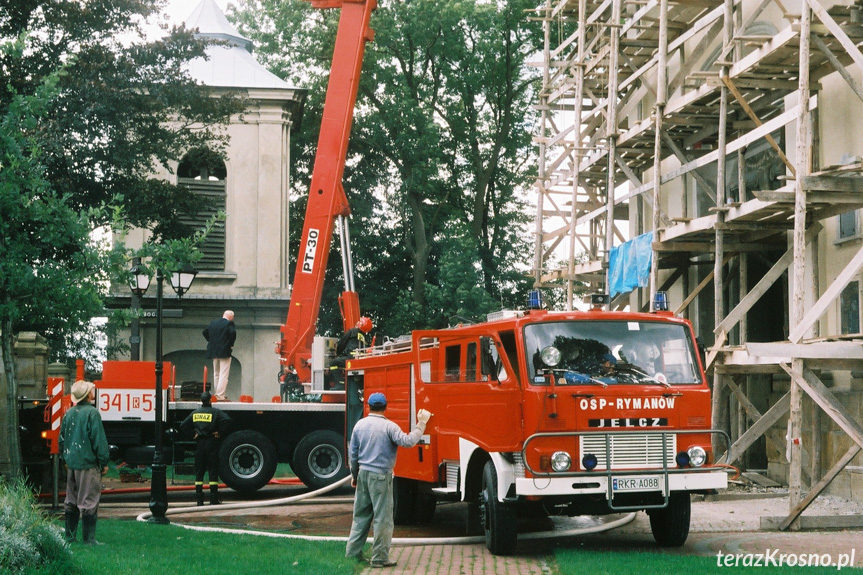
x=319, y=459
x=247, y=461
x=498, y=518
x=670, y=526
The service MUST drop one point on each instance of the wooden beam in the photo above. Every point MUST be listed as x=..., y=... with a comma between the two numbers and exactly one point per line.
x=771, y=416
x=714, y=351
x=705, y=247
x=837, y=31
x=831, y=293
x=825, y=183
x=773, y=274
x=828, y=402
x=845, y=350
x=848, y=199
x=704, y=186
x=816, y=489
x=837, y=65
x=754, y=117
x=707, y=279
x=751, y=411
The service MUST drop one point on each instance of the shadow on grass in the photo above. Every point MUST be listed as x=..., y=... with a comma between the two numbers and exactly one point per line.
x=136, y=548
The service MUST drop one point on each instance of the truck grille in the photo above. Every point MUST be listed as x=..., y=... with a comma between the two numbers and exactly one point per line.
x=630, y=450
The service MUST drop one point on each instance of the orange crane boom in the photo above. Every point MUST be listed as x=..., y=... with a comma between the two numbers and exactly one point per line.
x=328, y=205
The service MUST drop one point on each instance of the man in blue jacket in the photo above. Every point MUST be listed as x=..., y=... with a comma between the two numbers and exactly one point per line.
x=372, y=455
x=221, y=335
x=85, y=450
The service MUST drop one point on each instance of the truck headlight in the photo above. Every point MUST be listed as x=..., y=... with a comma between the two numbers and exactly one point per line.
x=561, y=461
x=697, y=456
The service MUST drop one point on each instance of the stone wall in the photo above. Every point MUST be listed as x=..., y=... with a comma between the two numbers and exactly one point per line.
x=31, y=364
x=819, y=427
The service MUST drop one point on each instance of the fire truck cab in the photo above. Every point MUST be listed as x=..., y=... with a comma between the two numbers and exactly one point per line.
x=571, y=413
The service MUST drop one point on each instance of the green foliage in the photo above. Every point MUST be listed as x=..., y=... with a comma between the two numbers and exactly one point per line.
x=123, y=107
x=136, y=548
x=29, y=541
x=438, y=164
x=91, y=109
x=52, y=273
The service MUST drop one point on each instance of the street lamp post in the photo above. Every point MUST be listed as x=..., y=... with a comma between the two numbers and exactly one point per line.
x=158, y=481
x=140, y=282
x=180, y=281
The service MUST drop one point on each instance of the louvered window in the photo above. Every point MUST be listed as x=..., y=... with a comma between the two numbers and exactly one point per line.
x=213, y=247
x=204, y=173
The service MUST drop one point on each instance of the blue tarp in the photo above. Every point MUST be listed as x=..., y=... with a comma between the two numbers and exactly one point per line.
x=629, y=264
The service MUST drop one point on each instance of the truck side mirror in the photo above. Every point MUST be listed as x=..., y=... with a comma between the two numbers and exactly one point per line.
x=487, y=358
x=702, y=352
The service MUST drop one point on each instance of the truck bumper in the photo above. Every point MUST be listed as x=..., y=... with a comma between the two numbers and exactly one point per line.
x=582, y=485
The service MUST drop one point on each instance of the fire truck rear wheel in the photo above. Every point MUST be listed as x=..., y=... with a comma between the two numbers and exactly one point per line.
x=319, y=459
x=670, y=526
x=247, y=461
x=498, y=518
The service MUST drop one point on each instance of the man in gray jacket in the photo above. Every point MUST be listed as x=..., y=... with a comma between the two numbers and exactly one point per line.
x=85, y=450
x=372, y=455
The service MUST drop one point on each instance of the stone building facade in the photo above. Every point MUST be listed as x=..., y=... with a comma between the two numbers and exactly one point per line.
x=245, y=264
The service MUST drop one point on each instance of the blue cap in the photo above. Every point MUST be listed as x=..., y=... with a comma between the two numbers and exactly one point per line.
x=377, y=399
x=610, y=358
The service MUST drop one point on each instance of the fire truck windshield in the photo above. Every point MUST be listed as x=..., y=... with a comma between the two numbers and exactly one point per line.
x=610, y=353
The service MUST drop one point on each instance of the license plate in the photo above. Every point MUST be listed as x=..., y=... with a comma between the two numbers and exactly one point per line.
x=637, y=483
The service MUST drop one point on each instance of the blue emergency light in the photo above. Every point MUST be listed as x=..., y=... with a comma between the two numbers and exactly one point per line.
x=534, y=299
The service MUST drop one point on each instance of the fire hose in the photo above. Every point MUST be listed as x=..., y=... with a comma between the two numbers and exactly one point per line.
x=465, y=540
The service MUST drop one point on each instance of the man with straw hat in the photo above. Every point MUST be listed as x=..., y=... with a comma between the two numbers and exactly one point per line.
x=85, y=451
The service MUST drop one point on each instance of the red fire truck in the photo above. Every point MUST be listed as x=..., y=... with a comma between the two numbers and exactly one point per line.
x=570, y=413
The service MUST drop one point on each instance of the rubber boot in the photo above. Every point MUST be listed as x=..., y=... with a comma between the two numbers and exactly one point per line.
x=88, y=524
x=72, y=517
x=199, y=491
x=214, y=494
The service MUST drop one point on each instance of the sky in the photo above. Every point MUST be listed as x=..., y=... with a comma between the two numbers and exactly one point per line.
x=178, y=10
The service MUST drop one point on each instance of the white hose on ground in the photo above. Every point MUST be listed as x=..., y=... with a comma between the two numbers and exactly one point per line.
x=269, y=503
x=465, y=540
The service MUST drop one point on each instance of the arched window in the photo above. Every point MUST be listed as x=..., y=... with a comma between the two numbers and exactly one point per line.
x=204, y=172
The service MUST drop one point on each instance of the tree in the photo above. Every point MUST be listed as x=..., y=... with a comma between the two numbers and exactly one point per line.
x=48, y=264
x=123, y=106
x=89, y=107
x=440, y=146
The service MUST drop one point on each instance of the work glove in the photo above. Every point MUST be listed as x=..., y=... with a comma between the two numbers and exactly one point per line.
x=423, y=416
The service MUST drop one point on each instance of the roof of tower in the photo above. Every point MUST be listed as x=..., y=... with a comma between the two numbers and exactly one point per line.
x=229, y=65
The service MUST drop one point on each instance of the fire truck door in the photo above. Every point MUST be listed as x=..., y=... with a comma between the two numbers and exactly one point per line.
x=468, y=399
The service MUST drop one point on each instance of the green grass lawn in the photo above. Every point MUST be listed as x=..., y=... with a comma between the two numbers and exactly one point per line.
x=133, y=548
x=574, y=561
